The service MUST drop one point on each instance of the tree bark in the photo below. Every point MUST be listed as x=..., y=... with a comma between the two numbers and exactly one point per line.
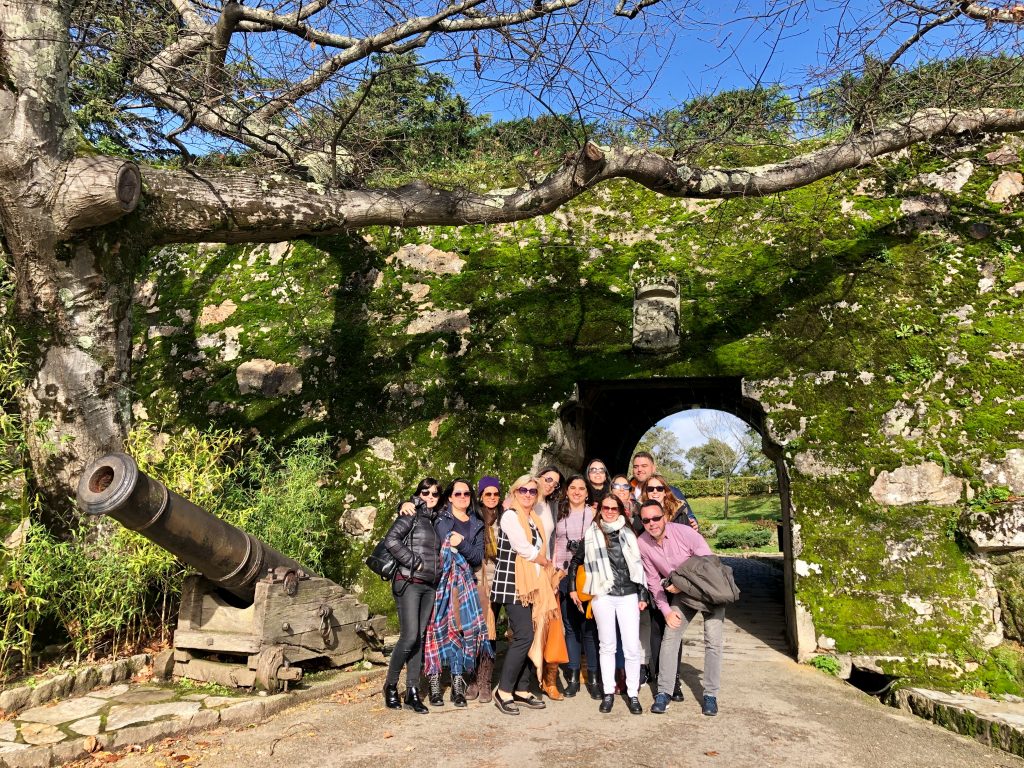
x=73, y=289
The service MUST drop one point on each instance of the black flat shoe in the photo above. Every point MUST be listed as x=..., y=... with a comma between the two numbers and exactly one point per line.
x=530, y=701
x=634, y=706
x=413, y=702
x=391, y=698
x=607, y=702
x=506, y=707
x=594, y=689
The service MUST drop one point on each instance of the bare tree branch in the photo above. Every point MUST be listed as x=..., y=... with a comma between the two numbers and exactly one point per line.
x=1011, y=13
x=237, y=207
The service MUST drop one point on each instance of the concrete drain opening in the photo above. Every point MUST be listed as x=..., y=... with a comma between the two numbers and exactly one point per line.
x=870, y=682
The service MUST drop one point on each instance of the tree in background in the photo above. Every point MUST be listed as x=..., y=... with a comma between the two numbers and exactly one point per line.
x=103, y=106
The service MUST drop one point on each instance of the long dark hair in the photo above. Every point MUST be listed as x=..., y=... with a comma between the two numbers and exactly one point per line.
x=563, y=503
x=559, y=493
x=598, y=518
x=489, y=517
x=425, y=483
x=595, y=492
x=446, y=497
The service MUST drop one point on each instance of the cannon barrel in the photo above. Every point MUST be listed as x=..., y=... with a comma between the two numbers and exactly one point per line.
x=231, y=558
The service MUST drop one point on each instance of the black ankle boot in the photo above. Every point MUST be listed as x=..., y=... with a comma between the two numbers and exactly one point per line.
x=413, y=702
x=391, y=698
x=572, y=682
x=594, y=687
x=436, y=695
x=458, y=691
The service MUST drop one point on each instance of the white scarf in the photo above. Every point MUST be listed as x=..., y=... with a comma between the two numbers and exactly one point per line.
x=598, y=566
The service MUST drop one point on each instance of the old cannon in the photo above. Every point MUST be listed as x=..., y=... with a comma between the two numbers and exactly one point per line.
x=251, y=616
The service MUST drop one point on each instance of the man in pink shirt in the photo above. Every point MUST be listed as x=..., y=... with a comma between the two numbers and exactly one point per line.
x=664, y=546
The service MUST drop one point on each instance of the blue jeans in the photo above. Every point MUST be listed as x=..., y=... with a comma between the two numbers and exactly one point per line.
x=580, y=633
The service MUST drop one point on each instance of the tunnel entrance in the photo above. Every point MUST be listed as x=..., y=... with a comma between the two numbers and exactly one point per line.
x=607, y=419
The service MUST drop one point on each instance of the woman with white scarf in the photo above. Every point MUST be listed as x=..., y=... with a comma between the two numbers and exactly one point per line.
x=615, y=580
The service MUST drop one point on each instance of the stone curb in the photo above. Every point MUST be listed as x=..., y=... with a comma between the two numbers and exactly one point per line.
x=1001, y=726
x=244, y=713
x=14, y=700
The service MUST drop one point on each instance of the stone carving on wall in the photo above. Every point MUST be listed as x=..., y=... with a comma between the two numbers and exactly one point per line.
x=656, y=315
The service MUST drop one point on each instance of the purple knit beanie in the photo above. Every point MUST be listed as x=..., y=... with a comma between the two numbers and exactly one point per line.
x=488, y=482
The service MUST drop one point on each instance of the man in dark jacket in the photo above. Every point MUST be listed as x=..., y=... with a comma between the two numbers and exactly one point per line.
x=665, y=546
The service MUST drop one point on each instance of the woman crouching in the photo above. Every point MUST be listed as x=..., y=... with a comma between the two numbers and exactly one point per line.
x=615, y=579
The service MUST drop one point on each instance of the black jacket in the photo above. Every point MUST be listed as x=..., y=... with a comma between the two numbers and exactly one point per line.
x=418, y=558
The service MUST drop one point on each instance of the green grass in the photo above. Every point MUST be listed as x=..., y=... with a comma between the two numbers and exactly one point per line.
x=744, y=513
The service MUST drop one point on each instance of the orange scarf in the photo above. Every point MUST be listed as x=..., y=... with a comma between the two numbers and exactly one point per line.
x=535, y=586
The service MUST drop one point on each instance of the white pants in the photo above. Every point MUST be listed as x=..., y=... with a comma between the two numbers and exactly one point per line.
x=624, y=609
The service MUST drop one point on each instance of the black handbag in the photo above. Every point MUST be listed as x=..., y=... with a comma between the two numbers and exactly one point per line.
x=382, y=562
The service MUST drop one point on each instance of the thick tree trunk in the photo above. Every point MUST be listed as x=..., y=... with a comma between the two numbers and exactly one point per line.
x=73, y=291
x=74, y=320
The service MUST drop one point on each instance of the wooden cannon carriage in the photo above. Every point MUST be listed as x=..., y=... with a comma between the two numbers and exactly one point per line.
x=251, y=617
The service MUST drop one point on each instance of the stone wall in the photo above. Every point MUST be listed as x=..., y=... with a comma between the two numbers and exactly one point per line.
x=876, y=317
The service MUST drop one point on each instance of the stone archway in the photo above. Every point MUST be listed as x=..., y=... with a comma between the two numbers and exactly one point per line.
x=608, y=418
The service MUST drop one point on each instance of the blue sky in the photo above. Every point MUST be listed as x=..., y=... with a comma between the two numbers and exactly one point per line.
x=684, y=425
x=713, y=47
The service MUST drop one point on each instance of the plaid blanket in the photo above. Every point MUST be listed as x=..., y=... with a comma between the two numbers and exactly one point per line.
x=457, y=632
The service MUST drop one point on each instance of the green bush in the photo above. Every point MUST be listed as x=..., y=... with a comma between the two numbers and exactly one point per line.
x=744, y=538
x=715, y=486
x=827, y=664
x=109, y=590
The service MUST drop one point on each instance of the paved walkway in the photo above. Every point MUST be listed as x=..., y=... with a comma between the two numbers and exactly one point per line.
x=755, y=627
x=774, y=712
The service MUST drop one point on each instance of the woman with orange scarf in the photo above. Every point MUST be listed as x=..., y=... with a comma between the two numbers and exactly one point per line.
x=523, y=584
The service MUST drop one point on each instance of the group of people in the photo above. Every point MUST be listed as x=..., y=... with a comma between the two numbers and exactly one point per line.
x=596, y=566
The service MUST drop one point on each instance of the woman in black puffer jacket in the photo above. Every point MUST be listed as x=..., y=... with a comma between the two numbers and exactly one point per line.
x=414, y=543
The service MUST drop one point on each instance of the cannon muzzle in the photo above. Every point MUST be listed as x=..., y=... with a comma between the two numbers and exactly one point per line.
x=232, y=559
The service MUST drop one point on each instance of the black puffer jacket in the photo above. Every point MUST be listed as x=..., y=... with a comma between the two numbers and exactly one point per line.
x=418, y=558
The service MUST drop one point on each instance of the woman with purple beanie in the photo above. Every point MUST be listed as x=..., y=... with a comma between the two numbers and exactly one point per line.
x=488, y=494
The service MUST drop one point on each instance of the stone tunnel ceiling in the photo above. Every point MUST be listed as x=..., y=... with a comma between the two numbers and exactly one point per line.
x=876, y=318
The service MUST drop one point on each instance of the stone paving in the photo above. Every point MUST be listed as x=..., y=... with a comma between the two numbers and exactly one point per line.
x=118, y=716
x=124, y=716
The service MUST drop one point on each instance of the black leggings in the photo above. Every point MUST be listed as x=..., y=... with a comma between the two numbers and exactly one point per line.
x=515, y=674
x=414, y=606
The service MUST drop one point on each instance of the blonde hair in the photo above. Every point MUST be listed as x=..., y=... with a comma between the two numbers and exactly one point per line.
x=517, y=483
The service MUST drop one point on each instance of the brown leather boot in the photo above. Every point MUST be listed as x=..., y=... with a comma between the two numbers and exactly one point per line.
x=472, y=691
x=484, y=670
x=550, y=682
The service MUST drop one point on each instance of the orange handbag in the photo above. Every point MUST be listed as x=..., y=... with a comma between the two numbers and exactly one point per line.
x=581, y=579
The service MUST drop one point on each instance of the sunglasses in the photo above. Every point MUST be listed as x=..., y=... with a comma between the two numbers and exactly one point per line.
x=430, y=493
x=655, y=519
x=597, y=471
x=621, y=486
x=527, y=491
x=550, y=479
x=609, y=508
x=490, y=493
x=459, y=494
x=656, y=488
